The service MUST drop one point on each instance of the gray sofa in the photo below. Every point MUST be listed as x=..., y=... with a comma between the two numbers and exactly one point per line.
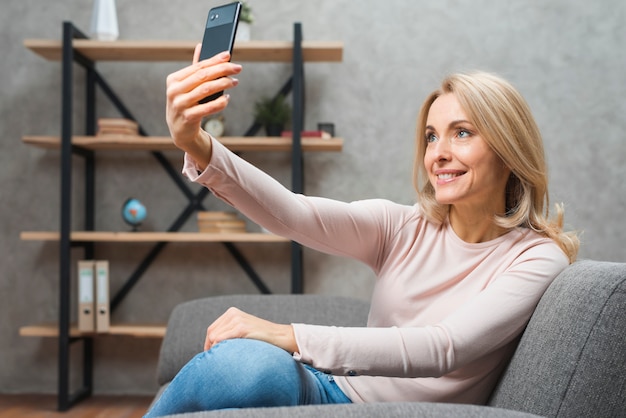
x=570, y=362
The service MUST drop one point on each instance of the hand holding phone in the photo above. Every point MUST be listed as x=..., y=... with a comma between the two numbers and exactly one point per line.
x=219, y=34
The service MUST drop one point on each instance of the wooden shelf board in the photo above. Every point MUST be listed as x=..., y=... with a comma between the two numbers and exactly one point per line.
x=138, y=50
x=153, y=143
x=52, y=330
x=103, y=236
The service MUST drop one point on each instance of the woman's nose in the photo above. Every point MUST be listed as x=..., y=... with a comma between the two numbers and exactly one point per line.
x=442, y=149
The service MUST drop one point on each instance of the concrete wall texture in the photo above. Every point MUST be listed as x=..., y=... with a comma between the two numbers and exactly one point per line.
x=565, y=56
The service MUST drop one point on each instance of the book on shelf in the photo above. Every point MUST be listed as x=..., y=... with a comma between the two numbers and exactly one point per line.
x=204, y=215
x=308, y=134
x=117, y=126
x=220, y=222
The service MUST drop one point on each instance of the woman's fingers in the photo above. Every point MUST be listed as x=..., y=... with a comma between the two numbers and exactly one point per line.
x=185, y=72
x=186, y=87
x=235, y=323
x=221, y=329
x=184, y=93
x=196, y=53
x=199, y=78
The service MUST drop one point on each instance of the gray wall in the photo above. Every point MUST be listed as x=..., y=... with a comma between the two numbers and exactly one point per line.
x=566, y=57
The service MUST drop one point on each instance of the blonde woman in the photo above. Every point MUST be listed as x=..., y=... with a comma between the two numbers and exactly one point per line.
x=507, y=126
x=458, y=274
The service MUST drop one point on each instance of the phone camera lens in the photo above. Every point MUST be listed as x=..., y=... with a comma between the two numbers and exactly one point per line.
x=213, y=17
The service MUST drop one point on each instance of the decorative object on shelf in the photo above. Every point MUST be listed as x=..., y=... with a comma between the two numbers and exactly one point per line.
x=273, y=113
x=308, y=134
x=327, y=127
x=220, y=222
x=214, y=125
x=104, y=20
x=245, y=23
x=117, y=126
x=133, y=212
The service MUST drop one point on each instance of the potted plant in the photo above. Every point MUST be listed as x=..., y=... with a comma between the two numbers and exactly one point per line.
x=245, y=21
x=273, y=113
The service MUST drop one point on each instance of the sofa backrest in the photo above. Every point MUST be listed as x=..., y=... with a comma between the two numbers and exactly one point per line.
x=188, y=321
x=571, y=359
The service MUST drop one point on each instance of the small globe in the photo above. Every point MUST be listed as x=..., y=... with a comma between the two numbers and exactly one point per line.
x=133, y=212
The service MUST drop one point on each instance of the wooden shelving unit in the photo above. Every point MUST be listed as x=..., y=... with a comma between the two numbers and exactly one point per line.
x=76, y=50
x=107, y=236
x=249, y=51
x=128, y=330
x=155, y=143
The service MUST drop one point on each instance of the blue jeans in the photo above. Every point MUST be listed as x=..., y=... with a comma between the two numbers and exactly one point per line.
x=245, y=373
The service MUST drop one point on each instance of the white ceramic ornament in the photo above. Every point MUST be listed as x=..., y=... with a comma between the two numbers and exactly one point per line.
x=104, y=21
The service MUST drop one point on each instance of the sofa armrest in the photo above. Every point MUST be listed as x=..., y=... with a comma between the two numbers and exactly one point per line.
x=188, y=322
x=572, y=356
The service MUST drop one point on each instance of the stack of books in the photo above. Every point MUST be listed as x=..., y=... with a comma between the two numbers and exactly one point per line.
x=308, y=134
x=220, y=222
x=117, y=126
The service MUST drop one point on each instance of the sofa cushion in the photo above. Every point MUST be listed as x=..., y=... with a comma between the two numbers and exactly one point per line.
x=571, y=360
x=371, y=410
x=188, y=322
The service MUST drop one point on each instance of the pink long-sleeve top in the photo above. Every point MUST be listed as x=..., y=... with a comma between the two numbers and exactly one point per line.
x=445, y=314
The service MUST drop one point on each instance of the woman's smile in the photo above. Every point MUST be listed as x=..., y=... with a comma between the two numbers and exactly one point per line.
x=447, y=176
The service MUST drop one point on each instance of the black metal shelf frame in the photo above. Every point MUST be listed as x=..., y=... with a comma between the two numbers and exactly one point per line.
x=93, y=79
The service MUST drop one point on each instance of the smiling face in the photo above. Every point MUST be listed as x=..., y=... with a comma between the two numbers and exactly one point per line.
x=462, y=168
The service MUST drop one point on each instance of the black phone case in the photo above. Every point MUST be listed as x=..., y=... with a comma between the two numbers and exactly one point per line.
x=219, y=34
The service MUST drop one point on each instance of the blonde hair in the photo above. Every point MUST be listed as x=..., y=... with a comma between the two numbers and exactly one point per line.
x=503, y=118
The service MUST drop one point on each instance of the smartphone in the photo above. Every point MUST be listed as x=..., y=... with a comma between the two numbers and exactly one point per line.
x=219, y=34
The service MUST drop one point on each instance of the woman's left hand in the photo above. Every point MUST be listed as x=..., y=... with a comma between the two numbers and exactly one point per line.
x=235, y=323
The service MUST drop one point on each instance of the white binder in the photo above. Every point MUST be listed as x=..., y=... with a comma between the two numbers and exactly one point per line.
x=86, y=303
x=102, y=296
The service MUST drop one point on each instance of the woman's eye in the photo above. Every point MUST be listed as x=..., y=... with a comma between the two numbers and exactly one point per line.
x=464, y=134
x=430, y=137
